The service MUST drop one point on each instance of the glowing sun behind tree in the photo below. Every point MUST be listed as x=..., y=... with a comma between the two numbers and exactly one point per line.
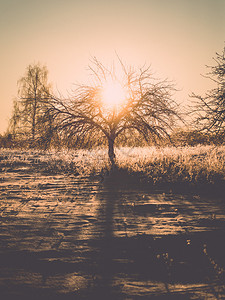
x=136, y=104
x=113, y=95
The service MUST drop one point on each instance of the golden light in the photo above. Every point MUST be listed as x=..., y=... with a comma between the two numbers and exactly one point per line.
x=113, y=95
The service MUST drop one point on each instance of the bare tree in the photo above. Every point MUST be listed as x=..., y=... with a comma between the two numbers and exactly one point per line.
x=15, y=119
x=30, y=107
x=94, y=112
x=210, y=109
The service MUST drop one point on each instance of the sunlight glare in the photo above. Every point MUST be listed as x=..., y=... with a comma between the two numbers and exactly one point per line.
x=113, y=95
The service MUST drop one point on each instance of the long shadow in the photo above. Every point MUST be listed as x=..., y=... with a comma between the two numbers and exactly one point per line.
x=103, y=288
x=171, y=259
x=137, y=260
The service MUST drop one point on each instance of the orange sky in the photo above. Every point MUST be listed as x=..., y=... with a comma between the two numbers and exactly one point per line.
x=177, y=37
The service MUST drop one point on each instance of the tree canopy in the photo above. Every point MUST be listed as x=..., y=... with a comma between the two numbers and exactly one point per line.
x=210, y=109
x=30, y=116
x=116, y=103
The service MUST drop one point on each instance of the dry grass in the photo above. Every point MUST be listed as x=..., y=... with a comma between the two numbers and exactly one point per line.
x=196, y=165
x=200, y=164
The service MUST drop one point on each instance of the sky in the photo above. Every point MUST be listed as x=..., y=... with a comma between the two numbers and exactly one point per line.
x=178, y=38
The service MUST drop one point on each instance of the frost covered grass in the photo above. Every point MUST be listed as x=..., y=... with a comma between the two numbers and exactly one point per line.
x=77, y=162
x=200, y=164
x=195, y=165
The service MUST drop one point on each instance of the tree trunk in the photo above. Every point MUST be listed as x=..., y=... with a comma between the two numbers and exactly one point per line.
x=111, y=152
x=33, y=129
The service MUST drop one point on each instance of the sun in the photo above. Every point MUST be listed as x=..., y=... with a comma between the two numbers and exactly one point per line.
x=113, y=95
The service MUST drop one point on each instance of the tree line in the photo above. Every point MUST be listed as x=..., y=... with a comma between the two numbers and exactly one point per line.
x=150, y=115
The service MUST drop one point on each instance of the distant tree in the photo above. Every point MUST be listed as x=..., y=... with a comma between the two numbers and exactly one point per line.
x=15, y=119
x=133, y=103
x=190, y=137
x=210, y=109
x=29, y=108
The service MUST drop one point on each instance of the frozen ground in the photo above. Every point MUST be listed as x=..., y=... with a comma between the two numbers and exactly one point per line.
x=70, y=237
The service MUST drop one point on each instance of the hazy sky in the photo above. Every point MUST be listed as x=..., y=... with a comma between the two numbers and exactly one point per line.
x=177, y=37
